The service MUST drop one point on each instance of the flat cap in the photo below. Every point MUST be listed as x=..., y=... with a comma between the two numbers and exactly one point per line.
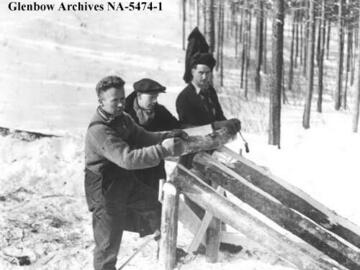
x=148, y=86
x=203, y=59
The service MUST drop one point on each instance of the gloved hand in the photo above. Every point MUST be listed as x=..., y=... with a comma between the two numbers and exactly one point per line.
x=232, y=125
x=177, y=133
x=173, y=146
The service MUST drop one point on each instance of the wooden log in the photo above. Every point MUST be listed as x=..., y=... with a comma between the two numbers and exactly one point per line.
x=213, y=236
x=213, y=241
x=336, y=248
x=253, y=228
x=209, y=142
x=24, y=135
x=169, y=219
x=293, y=197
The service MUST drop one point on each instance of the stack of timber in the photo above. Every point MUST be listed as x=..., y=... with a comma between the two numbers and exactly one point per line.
x=320, y=239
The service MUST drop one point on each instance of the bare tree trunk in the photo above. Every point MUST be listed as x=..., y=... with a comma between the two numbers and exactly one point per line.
x=276, y=70
x=353, y=58
x=310, y=62
x=236, y=37
x=260, y=24
x=328, y=39
x=248, y=48
x=306, y=38
x=241, y=25
x=210, y=25
x=301, y=41
x=218, y=40
x=297, y=37
x=198, y=13
x=357, y=95
x=250, y=27
x=318, y=42
x=291, y=65
x=183, y=24
x=348, y=62
x=321, y=57
x=264, y=62
x=245, y=49
x=221, y=29
x=341, y=57
x=205, y=15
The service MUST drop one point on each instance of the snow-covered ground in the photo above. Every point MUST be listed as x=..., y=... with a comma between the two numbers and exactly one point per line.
x=50, y=64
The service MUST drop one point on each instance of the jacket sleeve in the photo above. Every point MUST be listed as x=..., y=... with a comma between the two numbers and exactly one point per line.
x=184, y=110
x=116, y=150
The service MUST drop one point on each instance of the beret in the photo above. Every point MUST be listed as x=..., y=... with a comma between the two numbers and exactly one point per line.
x=148, y=86
x=109, y=82
x=203, y=59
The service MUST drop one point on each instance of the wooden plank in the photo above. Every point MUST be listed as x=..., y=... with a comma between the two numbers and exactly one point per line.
x=292, y=197
x=336, y=248
x=253, y=228
x=169, y=220
x=200, y=234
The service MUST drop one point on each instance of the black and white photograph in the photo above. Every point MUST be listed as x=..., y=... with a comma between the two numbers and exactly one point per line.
x=179, y=134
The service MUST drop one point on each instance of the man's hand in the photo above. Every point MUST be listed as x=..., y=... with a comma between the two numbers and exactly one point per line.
x=232, y=125
x=173, y=146
x=177, y=133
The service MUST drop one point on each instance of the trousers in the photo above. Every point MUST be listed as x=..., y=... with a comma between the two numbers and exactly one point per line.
x=135, y=208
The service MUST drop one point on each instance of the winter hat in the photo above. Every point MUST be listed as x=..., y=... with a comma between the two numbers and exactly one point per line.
x=148, y=86
x=202, y=59
x=196, y=44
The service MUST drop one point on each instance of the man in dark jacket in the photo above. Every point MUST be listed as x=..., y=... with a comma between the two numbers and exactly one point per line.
x=142, y=105
x=115, y=146
x=198, y=103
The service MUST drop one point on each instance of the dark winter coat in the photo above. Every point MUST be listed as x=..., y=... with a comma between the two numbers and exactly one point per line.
x=191, y=110
x=162, y=121
x=113, y=150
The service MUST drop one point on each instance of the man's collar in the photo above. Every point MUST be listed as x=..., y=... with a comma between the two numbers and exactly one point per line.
x=197, y=88
x=107, y=117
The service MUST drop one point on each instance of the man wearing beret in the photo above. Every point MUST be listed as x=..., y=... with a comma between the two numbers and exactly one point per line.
x=115, y=146
x=142, y=105
x=198, y=103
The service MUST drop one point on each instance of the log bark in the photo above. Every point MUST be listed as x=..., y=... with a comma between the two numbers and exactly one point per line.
x=169, y=219
x=208, y=142
x=310, y=232
x=235, y=215
x=293, y=197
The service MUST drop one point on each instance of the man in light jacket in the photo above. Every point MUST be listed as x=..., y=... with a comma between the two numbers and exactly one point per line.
x=115, y=146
